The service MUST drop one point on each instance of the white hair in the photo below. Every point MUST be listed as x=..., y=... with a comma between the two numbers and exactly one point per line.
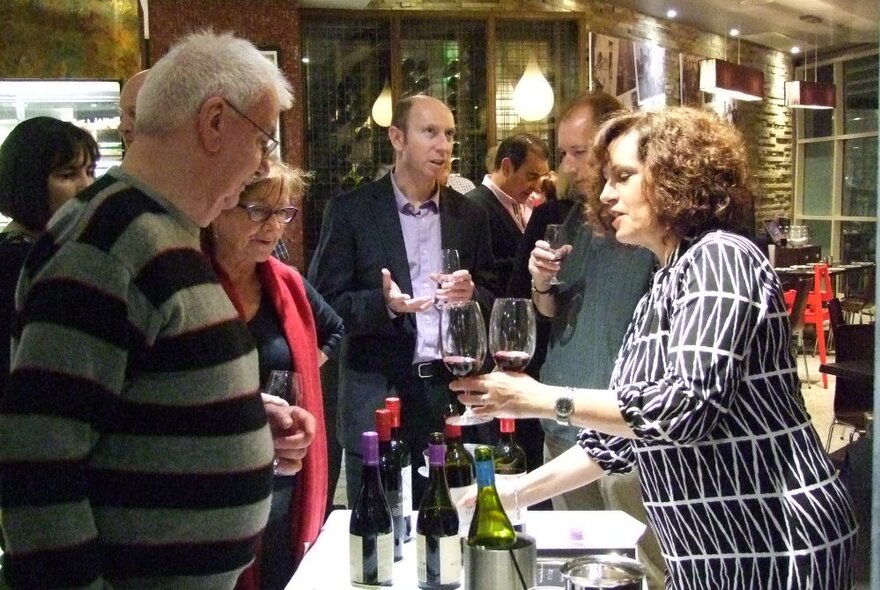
x=200, y=66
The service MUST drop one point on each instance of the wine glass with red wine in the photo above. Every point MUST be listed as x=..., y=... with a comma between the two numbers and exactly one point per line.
x=463, y=346
x=512, y=333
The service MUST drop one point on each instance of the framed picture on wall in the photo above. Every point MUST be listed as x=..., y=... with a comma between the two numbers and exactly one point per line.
x=689, y=67
x=650, y=66
x=612, y=69
x=272, y=55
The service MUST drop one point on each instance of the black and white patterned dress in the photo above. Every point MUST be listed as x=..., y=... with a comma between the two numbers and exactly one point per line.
x=735, y=480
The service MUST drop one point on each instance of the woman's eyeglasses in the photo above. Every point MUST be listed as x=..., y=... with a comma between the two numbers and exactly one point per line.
x=262, y=213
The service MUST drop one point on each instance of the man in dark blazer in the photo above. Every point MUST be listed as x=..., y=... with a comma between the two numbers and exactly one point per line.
x=376, y=263
x=520, y=165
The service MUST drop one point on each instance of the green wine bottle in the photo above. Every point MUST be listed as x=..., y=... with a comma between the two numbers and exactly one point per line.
x=490, y=526
x=438, y=544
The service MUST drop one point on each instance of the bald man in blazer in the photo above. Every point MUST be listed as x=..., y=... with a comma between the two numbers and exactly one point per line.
x=376, y=264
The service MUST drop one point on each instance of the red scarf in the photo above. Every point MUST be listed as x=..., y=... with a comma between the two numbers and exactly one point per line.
x=284, y=287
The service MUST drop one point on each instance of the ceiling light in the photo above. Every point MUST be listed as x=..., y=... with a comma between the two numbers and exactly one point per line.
x=803, y=94
x=382, y=108
x=533, y=95
x=734, y=32
x=796, y=49
x=671, y=13
x=729, y=79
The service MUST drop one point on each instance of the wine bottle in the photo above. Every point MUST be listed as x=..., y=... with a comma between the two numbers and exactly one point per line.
x=510, y=465
x=371, y=533
x=402, y=450
x=392, y=481
x=459, y=474
x=490, y=526
x=438, y=544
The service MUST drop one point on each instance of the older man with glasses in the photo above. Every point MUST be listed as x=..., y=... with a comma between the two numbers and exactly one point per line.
x=136, y=450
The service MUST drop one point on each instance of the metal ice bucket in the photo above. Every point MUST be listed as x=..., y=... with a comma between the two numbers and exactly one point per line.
x=501, y=569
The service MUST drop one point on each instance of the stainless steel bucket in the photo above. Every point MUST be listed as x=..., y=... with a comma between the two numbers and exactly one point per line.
x=501, y=569
x=609, y=571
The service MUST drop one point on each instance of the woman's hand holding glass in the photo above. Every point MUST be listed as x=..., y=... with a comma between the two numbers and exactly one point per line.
x=507, y=395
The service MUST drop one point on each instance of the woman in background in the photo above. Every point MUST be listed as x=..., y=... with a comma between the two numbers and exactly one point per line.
x=44, y=163
x=294, y=330
x=704, y=396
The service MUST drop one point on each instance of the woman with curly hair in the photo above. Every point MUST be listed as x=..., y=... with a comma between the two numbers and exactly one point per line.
x=704, y=396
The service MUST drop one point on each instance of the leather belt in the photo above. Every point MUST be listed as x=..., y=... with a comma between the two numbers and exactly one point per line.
x=428, y=370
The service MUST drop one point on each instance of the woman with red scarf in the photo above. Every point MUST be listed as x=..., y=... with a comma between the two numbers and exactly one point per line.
x=295, y=330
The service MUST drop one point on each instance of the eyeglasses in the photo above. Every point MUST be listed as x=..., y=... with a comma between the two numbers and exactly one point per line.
x=269, y=144
x=262, y=213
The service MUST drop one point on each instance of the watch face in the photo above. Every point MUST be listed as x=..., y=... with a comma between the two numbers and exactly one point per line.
x=564, y=407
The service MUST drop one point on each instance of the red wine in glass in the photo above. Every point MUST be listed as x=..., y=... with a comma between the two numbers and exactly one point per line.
x=463, y=348
x=512, y=333
x=511, y=360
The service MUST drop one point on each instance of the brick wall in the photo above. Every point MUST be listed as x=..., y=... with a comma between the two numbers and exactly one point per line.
x=269, y=24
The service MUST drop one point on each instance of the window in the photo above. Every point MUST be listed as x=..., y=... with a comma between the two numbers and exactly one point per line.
x=836, y=161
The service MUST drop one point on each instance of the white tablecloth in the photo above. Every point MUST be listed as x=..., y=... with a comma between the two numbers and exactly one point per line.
x=325, y=566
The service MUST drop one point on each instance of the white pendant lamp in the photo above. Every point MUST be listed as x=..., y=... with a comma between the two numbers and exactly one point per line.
x=382, y=108
x=533, y=95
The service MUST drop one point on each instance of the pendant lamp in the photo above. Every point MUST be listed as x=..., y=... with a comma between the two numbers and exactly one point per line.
x=723, y=77
x=382, y=108
x=803, y=94
x=533, y=95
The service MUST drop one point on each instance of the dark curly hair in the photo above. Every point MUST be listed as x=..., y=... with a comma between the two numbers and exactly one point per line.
x=695, y=171
x=32, y=151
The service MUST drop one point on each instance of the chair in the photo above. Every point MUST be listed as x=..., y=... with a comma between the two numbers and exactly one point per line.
x=851, y=398
x=817, y=311
x=796, y=304
x=858, y=296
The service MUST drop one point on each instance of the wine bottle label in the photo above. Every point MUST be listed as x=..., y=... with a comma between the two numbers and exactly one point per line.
x=516, y=514
x=406, y=491
x=371, y=559
x=465, y=513
x=438, y=559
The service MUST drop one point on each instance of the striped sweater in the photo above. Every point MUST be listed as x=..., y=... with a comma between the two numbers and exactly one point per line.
x=135, y=450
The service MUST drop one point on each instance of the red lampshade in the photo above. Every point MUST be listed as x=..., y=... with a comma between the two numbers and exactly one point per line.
x=801, y=94
x=723, y=77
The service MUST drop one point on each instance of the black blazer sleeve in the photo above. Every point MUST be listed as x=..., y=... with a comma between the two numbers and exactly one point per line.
x=328, y=324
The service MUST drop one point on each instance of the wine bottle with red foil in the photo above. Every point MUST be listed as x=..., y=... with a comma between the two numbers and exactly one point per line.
x=510, y=465
x=401, y=449
x=438, y=544
x=371, y=533
x=459, y=474
x=490, y=526
x=392, y=479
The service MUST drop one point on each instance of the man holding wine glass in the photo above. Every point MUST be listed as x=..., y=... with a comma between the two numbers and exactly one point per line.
x=586, y=287
x=378, y=263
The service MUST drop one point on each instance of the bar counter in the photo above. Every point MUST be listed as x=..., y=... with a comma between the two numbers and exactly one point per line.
x=325, y=566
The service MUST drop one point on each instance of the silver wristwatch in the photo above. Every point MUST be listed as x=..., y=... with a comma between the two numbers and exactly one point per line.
x=564, y=410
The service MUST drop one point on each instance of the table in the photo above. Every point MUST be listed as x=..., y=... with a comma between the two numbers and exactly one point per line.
x=806, y=271
x=325, y=566
x=855, y=370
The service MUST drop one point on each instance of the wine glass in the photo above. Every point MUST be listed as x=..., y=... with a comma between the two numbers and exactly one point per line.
x=512, y=333
x=284, y=384
x=463, y=346
x=555, y=236
x=449, y=263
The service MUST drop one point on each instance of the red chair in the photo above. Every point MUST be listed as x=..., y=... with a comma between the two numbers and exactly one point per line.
x=817, y=310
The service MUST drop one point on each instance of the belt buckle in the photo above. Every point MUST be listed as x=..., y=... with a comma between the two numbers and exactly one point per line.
x=425, y=370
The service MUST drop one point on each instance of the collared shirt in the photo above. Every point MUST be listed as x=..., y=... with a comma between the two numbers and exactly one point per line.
x=519, y=213
x=460, y=184
x=421, y=235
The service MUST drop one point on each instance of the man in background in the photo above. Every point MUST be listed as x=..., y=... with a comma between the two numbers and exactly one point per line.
x=520, y=164
x=601, y=283
x=136, y=450
x=128, y=106
x=377, y=264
